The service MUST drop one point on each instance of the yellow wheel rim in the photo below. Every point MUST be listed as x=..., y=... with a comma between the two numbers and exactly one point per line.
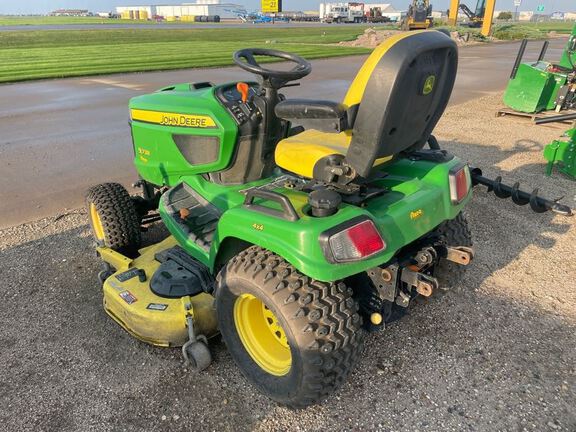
x=96, y=222
x=262, y=335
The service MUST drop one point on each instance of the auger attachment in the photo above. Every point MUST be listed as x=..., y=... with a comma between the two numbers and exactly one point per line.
x=518, y=196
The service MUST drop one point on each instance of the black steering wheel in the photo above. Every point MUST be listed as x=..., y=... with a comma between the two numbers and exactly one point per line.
x=274, y=78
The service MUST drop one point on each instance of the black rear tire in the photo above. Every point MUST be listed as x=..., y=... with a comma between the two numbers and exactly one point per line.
x=113, y=218
x=454, y=232
x=320, y=321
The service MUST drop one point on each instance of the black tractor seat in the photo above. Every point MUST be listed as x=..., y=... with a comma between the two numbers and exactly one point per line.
x=391, y=108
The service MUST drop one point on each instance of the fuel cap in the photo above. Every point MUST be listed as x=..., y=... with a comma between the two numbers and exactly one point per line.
x=324, y=202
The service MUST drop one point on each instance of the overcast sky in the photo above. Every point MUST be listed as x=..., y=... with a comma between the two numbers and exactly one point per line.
x=44, y=6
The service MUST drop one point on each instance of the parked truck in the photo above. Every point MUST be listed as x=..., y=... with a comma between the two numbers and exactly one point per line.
x=349, y=12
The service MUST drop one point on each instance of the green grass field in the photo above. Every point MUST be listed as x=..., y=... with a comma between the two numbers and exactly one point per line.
x=27, y=55
x=37, y=54
x=515, y=31
x=559, y=27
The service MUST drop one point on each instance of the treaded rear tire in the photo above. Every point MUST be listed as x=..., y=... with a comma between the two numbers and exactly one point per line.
x=320, y=320
x=454, y=232
x=118, y=216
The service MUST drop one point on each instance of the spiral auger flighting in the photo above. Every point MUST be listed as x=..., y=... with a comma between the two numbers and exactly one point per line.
x=537, y=203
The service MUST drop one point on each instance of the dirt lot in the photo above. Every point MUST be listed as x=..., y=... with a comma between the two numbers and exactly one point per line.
x=496, y=353
x=372, y=37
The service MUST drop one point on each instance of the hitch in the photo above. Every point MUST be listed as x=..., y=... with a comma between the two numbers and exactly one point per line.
x=424, y=284
x=460, y=255
x=519, y=197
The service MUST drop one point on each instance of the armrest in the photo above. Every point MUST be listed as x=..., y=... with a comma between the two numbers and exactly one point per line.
x=322, y=115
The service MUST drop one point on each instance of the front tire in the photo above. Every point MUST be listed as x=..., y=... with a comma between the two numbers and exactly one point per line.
x=294, y=338
x=113, y=218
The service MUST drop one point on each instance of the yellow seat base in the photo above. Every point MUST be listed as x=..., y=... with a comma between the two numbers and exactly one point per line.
x=299, y=154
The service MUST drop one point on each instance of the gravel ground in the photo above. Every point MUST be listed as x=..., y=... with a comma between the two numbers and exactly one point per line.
x=496, y=353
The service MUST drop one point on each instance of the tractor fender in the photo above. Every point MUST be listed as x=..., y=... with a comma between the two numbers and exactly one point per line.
x=298, y=242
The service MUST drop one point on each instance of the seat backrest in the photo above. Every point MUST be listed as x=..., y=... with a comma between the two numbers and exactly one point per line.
x=401, y=92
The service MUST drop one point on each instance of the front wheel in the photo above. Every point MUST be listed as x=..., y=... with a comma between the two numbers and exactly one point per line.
x=113, y=218
x=294, y=338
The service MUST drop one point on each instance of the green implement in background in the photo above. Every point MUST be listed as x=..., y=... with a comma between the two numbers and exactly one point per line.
x=534, y=89
x=562, y=154
x=541, y=85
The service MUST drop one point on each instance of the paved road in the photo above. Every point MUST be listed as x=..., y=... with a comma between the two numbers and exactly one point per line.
x=59, y=137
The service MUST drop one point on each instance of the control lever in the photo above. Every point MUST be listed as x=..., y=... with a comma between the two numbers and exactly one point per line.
x=243, y=88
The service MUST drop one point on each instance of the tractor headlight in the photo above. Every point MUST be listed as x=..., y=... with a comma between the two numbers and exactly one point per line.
x=352, y=241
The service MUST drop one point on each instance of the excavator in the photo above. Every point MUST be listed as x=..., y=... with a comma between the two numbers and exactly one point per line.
x=418, y=17
x=477, y=17
x=484, y=8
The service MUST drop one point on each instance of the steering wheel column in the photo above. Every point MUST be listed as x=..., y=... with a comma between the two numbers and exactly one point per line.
x=272, y=79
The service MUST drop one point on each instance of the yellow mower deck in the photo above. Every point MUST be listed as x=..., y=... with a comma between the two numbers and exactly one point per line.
x=152, y=319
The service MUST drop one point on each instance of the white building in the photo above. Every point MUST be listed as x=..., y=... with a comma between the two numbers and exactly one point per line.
x=525, y=15
x=200, y=8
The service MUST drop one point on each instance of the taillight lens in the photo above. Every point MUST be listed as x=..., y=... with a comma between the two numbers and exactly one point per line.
x=459, y=178
x=357, y=242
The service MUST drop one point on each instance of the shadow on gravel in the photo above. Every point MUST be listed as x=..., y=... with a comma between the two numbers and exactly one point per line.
x=494, y=354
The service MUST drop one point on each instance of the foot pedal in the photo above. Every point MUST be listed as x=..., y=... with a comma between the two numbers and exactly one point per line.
x=195, y=216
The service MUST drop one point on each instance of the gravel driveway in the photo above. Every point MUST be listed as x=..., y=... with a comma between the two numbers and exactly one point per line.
x=497, y=353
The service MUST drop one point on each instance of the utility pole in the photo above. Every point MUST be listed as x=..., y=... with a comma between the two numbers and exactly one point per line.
x=517, y=4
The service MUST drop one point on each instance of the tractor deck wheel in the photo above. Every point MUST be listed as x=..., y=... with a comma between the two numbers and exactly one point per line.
x=454, y=232
x=294, y=338
x=113, y=218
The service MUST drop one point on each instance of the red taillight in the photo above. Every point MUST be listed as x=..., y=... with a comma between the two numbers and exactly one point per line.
x=459, y=178
x=357, y=242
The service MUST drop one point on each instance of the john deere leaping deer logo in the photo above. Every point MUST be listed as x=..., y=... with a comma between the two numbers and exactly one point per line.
x=429, y=85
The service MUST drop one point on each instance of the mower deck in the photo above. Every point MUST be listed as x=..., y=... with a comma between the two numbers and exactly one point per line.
x=149, y=317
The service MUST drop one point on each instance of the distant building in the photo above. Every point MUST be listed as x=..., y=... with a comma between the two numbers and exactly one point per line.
x=525, y=15
x=558, y=16
x=71, y=12
x=570, y=16
x=180, y=11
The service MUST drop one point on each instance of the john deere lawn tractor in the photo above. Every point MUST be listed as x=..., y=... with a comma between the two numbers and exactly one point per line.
x=541, y=85
x=290, y=242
